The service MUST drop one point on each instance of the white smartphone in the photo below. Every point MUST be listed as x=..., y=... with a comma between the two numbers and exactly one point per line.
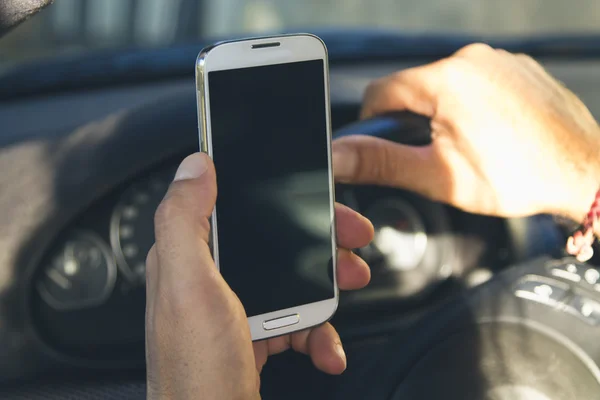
x=264, y=118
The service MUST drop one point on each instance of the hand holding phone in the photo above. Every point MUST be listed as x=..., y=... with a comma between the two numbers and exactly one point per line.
x=197, y=335
x=264, y=117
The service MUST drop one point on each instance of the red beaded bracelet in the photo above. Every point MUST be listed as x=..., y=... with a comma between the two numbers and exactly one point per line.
x=580, y=244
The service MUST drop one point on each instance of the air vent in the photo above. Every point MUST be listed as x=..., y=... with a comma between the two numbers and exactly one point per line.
x=266, y=45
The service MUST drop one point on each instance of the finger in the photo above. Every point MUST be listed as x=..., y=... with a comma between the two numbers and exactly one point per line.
x=325, y=349
x=321, y=343
x=182, y=228
x=353, y=230
x=369, y=160
x=352, y=272
x=413, y=89
x=265, y=348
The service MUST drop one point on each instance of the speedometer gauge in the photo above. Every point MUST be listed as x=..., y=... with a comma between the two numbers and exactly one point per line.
x=132, y=224
x=79, y=274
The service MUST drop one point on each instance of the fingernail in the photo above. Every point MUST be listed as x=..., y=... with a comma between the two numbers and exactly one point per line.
x=340, y=351
x=192, y=167
x=344, y=162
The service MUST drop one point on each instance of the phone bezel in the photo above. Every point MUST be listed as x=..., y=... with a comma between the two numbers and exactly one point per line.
x=241, y=54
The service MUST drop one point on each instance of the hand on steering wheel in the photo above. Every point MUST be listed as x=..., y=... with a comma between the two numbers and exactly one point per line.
x=507, y=138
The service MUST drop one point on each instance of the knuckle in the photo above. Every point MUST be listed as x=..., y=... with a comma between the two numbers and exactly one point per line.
x=527, y=59
x=375, y=88
x=163, y=212
x=453, y=68
x=371, y=91
x=475, y=50
x=388, y=164
x=369, y=98
x=177, y=207
x=523, y=56
x=402, y=77
x=375, y=165
x=379, y=92
x=170, y=207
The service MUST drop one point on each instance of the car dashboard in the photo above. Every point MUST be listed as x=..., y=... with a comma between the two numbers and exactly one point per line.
x=83, y=172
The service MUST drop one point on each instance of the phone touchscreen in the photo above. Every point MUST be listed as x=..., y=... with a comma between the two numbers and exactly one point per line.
x=274, y=205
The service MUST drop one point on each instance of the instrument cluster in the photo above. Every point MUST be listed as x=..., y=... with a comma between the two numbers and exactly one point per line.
x=89, y=290
x=93, y=259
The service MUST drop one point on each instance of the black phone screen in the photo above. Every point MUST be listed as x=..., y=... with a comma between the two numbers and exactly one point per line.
x=274, y=218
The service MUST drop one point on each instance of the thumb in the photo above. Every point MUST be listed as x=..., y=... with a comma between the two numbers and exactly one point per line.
x=198, y=339
x=182, y=225
x=369, y=160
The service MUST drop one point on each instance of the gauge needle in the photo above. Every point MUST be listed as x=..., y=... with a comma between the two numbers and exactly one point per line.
x=57, y=278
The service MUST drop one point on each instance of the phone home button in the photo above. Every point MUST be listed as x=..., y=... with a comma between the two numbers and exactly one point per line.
x=281, y=322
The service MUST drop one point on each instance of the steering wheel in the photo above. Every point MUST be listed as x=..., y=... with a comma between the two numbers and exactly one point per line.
x=530, y=333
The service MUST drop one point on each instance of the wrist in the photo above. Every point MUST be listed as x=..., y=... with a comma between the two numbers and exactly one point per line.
x=580, y=207
x=580, y=191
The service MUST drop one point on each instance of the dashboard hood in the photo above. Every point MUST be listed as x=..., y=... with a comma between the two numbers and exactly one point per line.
x=137, y=66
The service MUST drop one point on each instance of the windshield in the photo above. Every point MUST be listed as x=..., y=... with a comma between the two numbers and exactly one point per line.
x=76, y=26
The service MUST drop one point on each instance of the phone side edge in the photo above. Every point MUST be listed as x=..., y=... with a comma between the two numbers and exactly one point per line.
x=332, y=199
x=204, y=138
